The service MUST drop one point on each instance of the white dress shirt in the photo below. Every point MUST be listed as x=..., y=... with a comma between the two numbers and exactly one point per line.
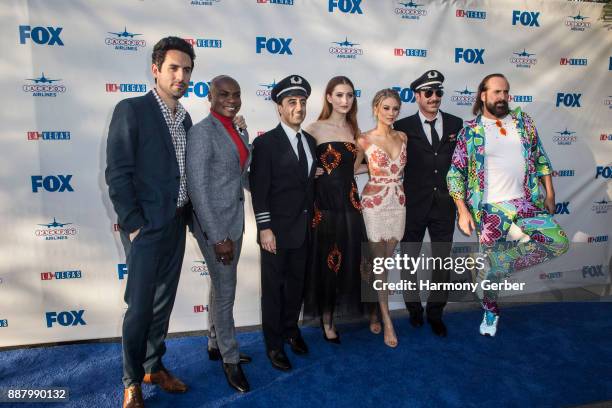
x=292, y=136
x=427, y=127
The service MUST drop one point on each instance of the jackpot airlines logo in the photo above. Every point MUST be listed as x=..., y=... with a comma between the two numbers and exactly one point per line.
x=44, y=87
x=200, y=267
x=601, y=206
x=124, y=40
x=565, y=137
x=345, y=49
x=264, y=91
x=55, y=230
x=464, y=97
x=410, y=10
x=523, y=59
x=578, y=22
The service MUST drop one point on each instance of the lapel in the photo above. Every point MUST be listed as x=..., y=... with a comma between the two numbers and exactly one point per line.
x=420, y=131
x=224, y=137
x=312, y=144
x=229, y=142
x=245, y=139
x=445, y=127
x=287, y=149
x=162, y=125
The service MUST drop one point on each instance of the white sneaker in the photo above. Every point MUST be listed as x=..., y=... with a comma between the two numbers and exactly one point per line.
x=488, y=327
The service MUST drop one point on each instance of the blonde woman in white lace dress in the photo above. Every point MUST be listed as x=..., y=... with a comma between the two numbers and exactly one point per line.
x=383, y=196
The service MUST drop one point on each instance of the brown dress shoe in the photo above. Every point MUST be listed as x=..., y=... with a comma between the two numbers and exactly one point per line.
x=132, y=397
x=165, y=381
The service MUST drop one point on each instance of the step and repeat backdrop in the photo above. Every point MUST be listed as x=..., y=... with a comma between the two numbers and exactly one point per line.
x=67, y=63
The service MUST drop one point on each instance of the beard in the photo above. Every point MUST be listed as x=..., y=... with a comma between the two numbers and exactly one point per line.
x=498, y=109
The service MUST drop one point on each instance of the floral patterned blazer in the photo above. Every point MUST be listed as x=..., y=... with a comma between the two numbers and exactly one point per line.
x=466, y=176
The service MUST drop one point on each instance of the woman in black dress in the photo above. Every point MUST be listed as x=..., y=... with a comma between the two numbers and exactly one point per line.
x=338, y=228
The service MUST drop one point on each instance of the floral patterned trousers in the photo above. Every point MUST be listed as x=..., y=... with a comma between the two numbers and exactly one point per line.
x=546, y=241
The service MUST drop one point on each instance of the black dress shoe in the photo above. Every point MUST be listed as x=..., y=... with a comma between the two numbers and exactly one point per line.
x=235, y=377
x=416, y=319
x=214, y=354
x=334, y=340
x=438, y=327
x=298, y=345
x=279, y=360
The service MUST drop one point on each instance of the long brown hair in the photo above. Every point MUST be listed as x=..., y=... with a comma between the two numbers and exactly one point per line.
x=351, y=116
x=482, y=87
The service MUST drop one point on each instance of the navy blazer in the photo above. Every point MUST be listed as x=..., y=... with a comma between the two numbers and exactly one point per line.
x=279, y=188
x=425, y=170
x=142, y=171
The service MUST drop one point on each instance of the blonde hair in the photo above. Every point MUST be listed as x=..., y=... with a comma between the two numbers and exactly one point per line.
x=382, y=95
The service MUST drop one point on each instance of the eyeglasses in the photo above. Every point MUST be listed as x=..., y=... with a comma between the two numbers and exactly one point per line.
x=502, y=130
x=428, y=93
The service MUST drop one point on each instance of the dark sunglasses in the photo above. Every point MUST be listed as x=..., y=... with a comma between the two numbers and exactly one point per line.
x=428, y=93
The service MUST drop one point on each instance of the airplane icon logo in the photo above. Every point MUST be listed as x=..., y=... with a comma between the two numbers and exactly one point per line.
x=345, y=43
x=565, y=132
x=124, y=34
x=43, y=80
x=578, y=17
x=603, y=201
x=269, y=86
x=55, y=224
x=411, y=4
x=465, y=92
x=523, y=53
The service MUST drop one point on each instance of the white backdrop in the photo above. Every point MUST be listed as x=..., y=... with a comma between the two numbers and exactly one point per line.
x=66, y=282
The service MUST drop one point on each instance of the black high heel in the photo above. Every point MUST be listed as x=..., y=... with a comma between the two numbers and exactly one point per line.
x=334, y=340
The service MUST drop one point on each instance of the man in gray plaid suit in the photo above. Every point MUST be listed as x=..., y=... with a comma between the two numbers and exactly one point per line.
x=218, y=156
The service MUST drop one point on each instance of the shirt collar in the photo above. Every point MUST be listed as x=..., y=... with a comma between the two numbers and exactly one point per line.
x=289, y=131
x=423, y=118
x=180, y=110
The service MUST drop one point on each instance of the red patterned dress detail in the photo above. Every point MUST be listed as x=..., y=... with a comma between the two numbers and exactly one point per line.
x=383, y=197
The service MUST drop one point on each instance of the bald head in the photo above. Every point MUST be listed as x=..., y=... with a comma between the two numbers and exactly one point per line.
x=224, y=96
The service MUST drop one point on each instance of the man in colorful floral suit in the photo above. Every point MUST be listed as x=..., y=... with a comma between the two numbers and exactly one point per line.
x=494, y=180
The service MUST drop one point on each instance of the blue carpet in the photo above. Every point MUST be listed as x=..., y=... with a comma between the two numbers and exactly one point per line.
x=547, y=355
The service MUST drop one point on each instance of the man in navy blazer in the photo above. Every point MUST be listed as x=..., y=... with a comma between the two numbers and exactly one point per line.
x=145, y=173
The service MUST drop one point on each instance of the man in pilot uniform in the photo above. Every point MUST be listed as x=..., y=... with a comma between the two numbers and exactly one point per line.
x=282, y=188
x=431, y=142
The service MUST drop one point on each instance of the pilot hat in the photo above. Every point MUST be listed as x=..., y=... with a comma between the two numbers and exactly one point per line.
x=293, y=85
x=431, y=79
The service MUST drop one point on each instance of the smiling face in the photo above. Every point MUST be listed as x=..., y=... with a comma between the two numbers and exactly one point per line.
x=224, y=97
x=172, y=77
x=387, y=110
x=292, y=110
x=341, y=98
